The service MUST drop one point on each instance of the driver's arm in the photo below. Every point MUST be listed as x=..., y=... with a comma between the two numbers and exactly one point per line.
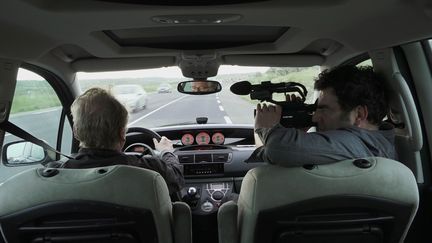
x=168, y=166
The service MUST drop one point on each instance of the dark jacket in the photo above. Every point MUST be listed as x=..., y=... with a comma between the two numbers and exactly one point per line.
x=292, y=147
x=168, y=165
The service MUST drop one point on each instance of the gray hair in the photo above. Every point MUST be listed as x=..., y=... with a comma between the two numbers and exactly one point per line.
x=98, y=118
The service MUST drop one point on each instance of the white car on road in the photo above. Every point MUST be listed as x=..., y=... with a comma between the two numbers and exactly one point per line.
x=132, y=96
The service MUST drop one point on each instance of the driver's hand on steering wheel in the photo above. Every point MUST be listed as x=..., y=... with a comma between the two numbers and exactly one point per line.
x=163, y=145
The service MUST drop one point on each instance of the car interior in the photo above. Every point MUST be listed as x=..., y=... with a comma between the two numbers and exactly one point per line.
x=52, y=51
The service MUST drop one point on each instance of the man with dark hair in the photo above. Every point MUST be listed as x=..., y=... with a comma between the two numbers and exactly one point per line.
x=351, y=105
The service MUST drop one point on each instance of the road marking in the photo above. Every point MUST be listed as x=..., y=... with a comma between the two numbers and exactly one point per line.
x=221, y=108
x=35, y=112
x=218, y=101
x=148, y=114
x=228, y=120
x=45, y=111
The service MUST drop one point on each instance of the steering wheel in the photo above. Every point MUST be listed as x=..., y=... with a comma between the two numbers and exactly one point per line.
x=139, y=149
x=144, y=131
x=134, y=134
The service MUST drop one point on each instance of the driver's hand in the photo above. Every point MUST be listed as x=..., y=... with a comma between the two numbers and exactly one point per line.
x=164, y=145
x=267, y=116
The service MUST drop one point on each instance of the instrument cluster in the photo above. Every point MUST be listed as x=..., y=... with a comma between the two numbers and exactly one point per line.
x=203, y=138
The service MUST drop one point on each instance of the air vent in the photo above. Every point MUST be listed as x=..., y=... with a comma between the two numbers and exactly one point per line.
x=220, y=157
x=197, y=19
x=199, y=158
x=205, y=158
x=188, y=158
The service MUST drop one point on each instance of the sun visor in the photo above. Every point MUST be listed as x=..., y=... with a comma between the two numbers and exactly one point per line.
x=100, y=65
x=274, y=60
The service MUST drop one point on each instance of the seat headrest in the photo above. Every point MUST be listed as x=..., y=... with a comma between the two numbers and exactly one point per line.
x=119, y=184
x=272, y=186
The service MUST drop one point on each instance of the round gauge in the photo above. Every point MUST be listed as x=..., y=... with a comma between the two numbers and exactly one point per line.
x=202, y=138
x=218, y=138
x=187, y=139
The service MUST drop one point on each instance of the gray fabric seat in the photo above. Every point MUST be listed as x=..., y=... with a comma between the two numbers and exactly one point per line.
x=107, y=204
x=339, y=202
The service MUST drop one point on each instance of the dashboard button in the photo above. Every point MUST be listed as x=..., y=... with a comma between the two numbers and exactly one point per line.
x=217, y=195
x=207, y=207
x=191, y=191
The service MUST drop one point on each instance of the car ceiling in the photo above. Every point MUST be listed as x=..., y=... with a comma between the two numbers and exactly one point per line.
x=92, y=35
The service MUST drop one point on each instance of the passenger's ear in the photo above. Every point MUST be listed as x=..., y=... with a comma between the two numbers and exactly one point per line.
x=361, y=116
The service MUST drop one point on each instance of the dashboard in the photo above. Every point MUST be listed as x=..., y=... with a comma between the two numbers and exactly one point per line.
x=213, y=159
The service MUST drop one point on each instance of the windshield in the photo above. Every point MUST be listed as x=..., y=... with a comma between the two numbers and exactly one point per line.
x=158, y=109
x=124, y=89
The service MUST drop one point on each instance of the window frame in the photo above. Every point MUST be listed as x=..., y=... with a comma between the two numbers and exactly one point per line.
x=65, y=97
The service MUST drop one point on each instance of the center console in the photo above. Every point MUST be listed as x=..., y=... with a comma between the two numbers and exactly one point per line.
x=204, y=168
x=213, y=175
x=206, y=198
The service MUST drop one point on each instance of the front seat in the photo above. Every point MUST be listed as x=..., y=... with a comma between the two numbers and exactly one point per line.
x=107, y=204
x=363, y=200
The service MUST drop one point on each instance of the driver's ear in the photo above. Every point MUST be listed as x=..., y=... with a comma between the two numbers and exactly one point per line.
x=122, y=140
x=123, y=134
x=75, y=133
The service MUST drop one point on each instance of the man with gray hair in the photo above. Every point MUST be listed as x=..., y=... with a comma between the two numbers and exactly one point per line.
x=100, y=126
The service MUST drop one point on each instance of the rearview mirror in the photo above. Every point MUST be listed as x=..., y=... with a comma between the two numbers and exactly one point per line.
x=199, y=87
x=22, y=153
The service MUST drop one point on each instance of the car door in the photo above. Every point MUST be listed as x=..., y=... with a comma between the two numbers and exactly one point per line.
x=412, y=63
x=37, y=108
x=416, y=59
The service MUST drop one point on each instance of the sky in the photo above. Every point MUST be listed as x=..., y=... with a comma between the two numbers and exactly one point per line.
x=169, y=72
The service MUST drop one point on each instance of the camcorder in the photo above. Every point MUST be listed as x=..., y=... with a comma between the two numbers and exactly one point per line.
x=294, y=114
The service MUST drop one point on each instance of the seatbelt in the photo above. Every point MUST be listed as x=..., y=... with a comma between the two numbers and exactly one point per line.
x=17, y=131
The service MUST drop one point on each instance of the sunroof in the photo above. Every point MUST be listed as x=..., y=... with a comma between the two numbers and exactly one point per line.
x=184, y=2
x=196, y=37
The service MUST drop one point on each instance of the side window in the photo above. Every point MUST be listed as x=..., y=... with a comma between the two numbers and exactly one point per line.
x=37, y=109
x=66, y=145
x=367, y=62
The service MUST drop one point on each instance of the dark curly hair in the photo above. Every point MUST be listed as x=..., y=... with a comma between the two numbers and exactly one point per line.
x=354, y=86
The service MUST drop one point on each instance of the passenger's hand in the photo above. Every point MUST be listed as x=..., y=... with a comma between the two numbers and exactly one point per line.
x=296, y=99
x=267, y=116
x=164, y=144
x=293, y=98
